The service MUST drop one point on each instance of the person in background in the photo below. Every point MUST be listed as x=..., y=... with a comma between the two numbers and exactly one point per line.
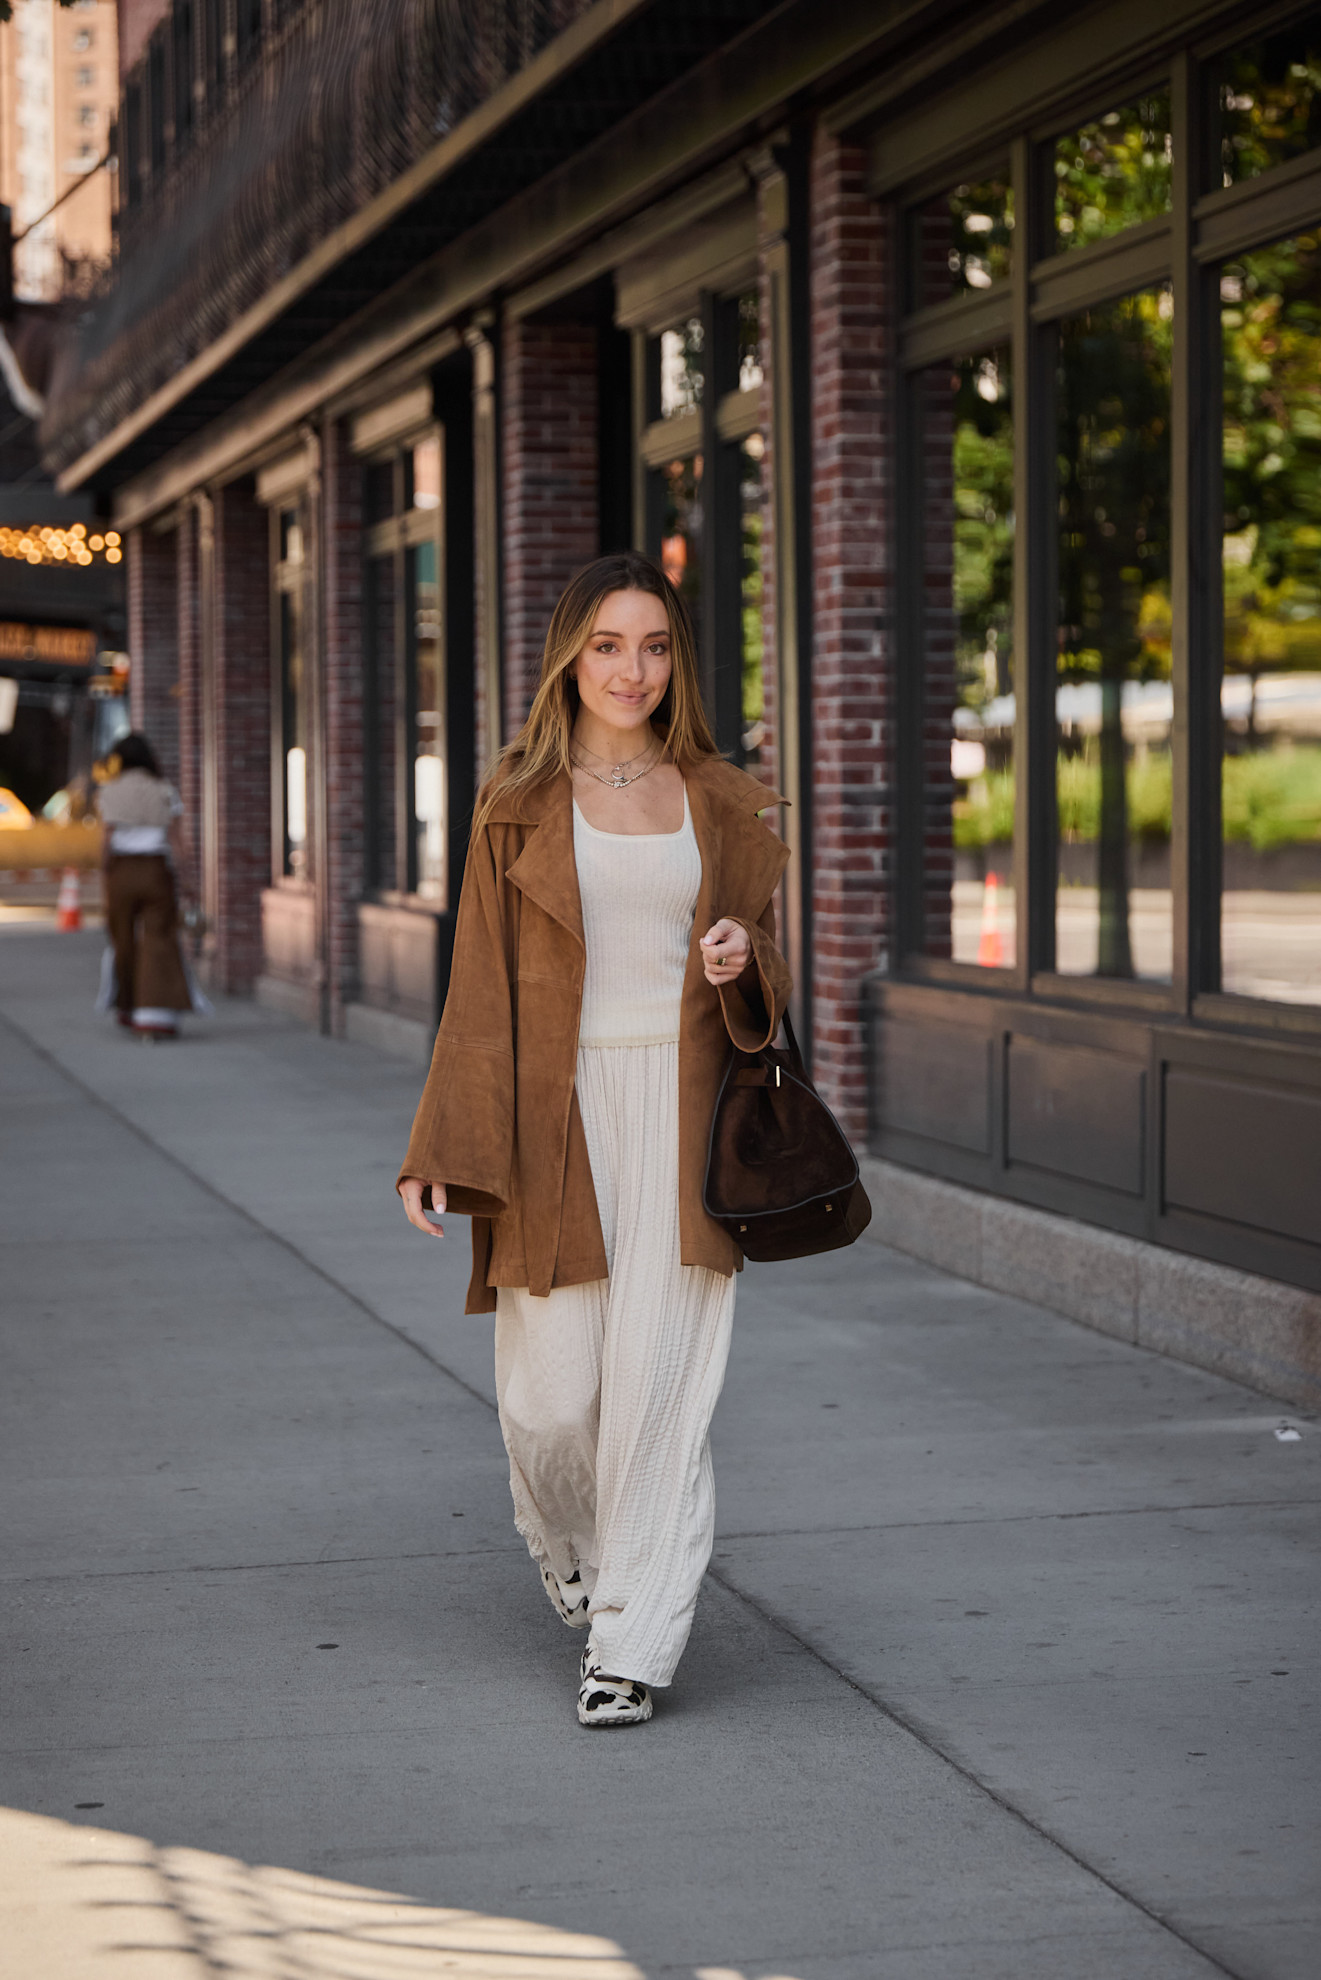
x=142, y=853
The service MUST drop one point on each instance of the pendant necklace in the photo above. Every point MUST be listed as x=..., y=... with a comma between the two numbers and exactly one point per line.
x=618, y=777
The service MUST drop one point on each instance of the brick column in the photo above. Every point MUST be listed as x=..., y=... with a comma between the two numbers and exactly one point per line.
x=344, y=715
x=241, y=685
x=549, y=492
x=153, y=644
x=188, y=642
x=851, y=690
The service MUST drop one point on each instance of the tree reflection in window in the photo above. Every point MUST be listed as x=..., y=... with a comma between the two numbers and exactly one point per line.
x=1270, y=102
x=963, y=240
x=965, y=415
x=1271, y=697
x=1113, y=701
x=1113, y=173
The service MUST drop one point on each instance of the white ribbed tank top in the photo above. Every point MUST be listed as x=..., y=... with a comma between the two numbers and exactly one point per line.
x=639, y=895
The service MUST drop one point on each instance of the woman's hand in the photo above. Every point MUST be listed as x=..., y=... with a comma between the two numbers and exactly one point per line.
x=410, y=1190
x=726, y=952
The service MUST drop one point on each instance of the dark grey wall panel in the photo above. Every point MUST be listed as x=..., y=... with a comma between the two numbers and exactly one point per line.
x=935, y=1080
x=1076, y=1112
x=1245, y=1151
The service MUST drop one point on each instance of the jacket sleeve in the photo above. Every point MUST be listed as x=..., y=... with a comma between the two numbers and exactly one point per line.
x=463, y=1131
x=754, y=1003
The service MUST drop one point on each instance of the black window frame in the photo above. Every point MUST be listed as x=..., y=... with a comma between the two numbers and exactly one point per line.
x=1206, y=226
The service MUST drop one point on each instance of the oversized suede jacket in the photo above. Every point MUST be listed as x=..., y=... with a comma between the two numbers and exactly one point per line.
x=498, y=1122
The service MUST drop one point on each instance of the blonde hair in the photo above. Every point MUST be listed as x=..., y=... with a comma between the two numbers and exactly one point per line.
x=540, y=750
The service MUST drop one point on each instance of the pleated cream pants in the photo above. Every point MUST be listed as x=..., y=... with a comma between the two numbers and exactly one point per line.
x=607, y=1390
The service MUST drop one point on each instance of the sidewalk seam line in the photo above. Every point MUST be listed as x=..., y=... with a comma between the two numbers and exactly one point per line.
x=925, y=1739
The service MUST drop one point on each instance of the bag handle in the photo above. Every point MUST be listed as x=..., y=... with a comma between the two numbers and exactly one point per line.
x=795, y=1056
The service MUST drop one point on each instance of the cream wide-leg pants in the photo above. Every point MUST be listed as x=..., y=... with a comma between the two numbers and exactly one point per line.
x=607, y=1390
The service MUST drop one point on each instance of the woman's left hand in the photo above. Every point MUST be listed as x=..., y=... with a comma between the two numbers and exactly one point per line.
x=726, y=952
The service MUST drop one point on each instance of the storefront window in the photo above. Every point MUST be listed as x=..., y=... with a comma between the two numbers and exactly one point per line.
x=681, y=530
x=409, y=795
x=428, y=724
x=964, y=414
x=963, y=240
x=749, y=341
x=1270, y=927
x=1270, y=102
x=1113, y=173
x=1114, y=702
x=382, y=701
x=682, y=368
x=751, y=511
x=291, y=576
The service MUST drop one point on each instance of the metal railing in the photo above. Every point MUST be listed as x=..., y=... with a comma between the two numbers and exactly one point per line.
x=327, y=108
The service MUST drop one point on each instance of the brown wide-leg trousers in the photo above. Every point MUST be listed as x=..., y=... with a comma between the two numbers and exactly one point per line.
x=142, y=918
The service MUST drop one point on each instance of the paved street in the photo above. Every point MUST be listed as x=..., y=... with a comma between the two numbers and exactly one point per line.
x=1006, y=1666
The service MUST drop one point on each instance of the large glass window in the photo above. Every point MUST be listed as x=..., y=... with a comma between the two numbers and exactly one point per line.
x=962, y=240
x=702, y=450
x=409, y=804
x=1270, y=928
x=291, y=576
x=1114, y=702
x=1114, y=172
x=1270, y=102
x=964, y=414
x=752, y=525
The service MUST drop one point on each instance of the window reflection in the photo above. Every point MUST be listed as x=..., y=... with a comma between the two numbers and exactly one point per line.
x=1270, y=102
x=380, y=713
x=965, y=416
x=682, y=374
x=427, y=671
x=1114, y=702
x=681, y=532
x=1271, y=696
x=963, y=240
x=1113, y=173
x=751, y=511
x=749, y=341
x=293, y=695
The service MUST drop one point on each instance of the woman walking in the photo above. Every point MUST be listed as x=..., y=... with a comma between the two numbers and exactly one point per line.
x=615, y=931
x=141, y=852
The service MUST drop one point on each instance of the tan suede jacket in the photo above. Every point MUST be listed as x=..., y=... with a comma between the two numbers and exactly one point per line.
x=498, y=1122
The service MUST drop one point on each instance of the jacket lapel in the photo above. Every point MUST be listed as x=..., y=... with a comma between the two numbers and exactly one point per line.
x=546, y=871
x=741, y=859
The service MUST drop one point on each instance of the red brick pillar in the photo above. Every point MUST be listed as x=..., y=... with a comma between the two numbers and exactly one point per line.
x=240, y=624
x=153, y=644
x=344, y=716
x=188, y=641
x=852, y=657
x=549, y=491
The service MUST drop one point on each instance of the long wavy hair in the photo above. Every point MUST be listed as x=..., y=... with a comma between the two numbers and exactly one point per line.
x=540, y=750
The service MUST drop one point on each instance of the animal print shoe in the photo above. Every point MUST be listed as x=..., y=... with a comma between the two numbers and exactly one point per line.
x=567, y=1598
x=610, y=1701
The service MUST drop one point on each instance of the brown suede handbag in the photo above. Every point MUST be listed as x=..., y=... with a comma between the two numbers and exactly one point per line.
x=780, y=1175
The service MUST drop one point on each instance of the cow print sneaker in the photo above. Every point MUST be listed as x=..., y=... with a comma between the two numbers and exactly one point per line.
x=609, y=1701
x=567, y=1598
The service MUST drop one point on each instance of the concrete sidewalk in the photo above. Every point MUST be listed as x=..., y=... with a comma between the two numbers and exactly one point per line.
x=1006, y=1666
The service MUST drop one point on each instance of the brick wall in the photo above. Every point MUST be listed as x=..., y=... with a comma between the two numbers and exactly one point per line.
x=344, y=704
x=851, y=696
x=188, y=644
x=242, y=716
x=548, y=499
x=153, y=644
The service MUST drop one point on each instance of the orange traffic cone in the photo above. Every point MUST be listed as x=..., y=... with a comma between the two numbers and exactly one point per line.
x=990, y=948
x=69, y=906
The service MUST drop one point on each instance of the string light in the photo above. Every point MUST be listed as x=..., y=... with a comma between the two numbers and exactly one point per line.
x=61, y=546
